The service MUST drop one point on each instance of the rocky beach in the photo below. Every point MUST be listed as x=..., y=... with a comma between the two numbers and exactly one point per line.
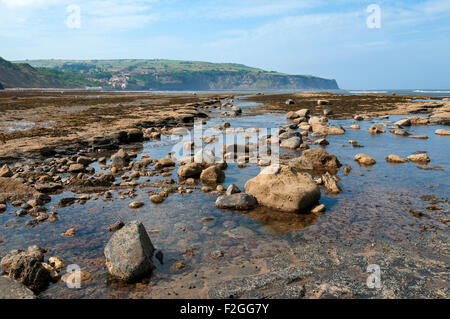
x=290, y=195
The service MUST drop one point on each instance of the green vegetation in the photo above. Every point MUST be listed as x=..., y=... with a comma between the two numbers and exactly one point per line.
x=172, y=75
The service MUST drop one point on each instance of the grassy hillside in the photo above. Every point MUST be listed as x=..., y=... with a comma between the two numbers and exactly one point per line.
x=175, y=75
x=22, y=75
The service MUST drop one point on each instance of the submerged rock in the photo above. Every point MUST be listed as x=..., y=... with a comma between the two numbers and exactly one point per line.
x=239, y=201
x=282, y=188
x=129, y=253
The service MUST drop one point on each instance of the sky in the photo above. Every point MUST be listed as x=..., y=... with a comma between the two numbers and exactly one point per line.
x=362, y=44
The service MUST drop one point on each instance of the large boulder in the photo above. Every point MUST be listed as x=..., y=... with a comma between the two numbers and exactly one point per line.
x=129, y=253
x=190, y=170
x=316, y=159
x=238, y=201
x=27, y=268
x=212, y=175
x=284, y=189
x=11, y=289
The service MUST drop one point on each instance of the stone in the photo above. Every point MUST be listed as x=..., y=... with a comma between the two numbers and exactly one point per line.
x=292, y=116
x=316, y=159
x=76, y=168
x=26, y=267
x=239, y=201
x=136, y=205
x=67, y=201
x=191, y=170
x=205, y=157
x=180, y=131
x=403, y=122
x=364, y=159
x=292, y=143
x=327, y=129
x=84, y=160
x=56, y=263
x=400, y=132
x=302, y=113
x=212, y=175
x=116, y=226
x=166, y=162
x=12, y=289
x=323, y=102
x=418, y=158
x=330, y=184
x=2, y=208
x=5, y=171
x=318, y=209
x=354, y=127
x=395, y=159
x=358, y=118
x=346, y=170
x=69, y=233
x=322, y=142
x=288, y=135
x=129, y=253
x=157, y=199
x=285, y=190
x=375, y=130
x=232, y=189
x=290, y=102
x=443, y=132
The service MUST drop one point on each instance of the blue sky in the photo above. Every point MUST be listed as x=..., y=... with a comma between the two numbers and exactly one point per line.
x=411, y=49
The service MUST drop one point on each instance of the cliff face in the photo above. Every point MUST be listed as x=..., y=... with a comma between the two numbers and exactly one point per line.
x=233, y=81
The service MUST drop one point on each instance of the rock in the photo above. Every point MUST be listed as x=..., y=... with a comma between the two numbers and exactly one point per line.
x=129, y=253
x=56, y=263
x=354, y=127
x=47, y=188
x=179, y=265
x=330, y=183
x=239, y=201
x=358, y=118
x=84, y=160
x=292, y=115
x=69, y=233
x=205, y=157
x=76, y=168
x=290, y=102
x=316, y=159
x=292, y=143
x=419, y=137
x=118, y=161
x=285, y=189
x=212, y=175
x=26, y=268
x=375, y=130
x=5, y=171
x=364, y=159
x=418, y=158
x=157, y=199
x=400, y=132
x=180, y=131
x=85, y=278
x=165, y=162
x=12, y=289
x=444, y=132
x=232, y=189
x=327, y=129
x=302, y=113
x=403, y=122
x=64, y=202
x=323, y=102
x=135, y=205
x=395, y=159
x=159, y=256
x=288, y=135
x=190, y=170
x=116, y=226
x=322, y=142
x=327, y=112
x=318, y=209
